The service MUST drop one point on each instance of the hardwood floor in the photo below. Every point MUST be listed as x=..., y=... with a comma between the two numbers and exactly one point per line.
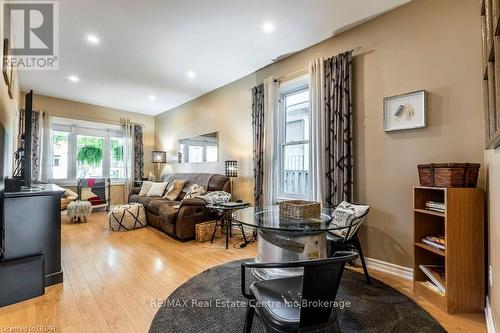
x=112, y=281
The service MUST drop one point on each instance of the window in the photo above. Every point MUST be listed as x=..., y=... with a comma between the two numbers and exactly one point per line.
x=89, y=156
x=117, y=167
x=59, y=155
x=294, y=140
x=82, y=149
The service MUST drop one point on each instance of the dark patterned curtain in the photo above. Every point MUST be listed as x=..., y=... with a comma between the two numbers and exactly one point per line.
x=138, y=153
x=339, y=129
x=258, y=142
x=35, y=142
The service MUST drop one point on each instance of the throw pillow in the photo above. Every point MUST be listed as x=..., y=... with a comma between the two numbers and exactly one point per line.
x=157, y=190
x=174, y=189
x=194, y=191
x=146, y=186
x=344, y=214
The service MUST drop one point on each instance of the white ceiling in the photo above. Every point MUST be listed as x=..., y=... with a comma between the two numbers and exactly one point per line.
x=147, y=47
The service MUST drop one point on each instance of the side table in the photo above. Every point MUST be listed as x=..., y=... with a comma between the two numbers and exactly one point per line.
x=226, y=219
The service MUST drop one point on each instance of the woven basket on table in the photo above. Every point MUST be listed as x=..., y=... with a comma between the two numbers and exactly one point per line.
x=299, y=209
x=449, y=174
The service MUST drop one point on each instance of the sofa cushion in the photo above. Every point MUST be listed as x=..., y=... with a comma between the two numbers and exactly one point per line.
x=175, y=189
x=144, y=200
x=146, y=186
x=157, y=189
x=157, y=202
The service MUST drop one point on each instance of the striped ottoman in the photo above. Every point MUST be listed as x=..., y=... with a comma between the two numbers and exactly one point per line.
x=127, y=217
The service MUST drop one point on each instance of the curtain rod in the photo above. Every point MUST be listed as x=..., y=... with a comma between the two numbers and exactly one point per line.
x=111, y=122
x=305, y=69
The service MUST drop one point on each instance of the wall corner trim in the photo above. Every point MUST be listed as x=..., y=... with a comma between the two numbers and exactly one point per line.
x=490, y=323
x=389, y=268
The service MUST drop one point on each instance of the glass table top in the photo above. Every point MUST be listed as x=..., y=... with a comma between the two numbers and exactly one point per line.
x=269, y=218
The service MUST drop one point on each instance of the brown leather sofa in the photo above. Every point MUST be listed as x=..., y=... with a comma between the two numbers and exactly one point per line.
x=178, y=218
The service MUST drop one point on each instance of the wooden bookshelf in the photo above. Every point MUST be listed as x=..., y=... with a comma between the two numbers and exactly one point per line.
x=462, y=225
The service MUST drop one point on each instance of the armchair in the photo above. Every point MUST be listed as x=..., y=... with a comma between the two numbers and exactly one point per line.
x=309, y=298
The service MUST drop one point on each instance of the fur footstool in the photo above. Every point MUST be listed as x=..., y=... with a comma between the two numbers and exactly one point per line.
x=127, y=217
x=79, y=210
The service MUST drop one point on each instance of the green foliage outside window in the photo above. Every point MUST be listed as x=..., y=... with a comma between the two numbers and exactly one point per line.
x=90, y=150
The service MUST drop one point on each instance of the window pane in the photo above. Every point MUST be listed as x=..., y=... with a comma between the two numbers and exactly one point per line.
x=59, y=155
x=296, y=169
x=90, y=153
x=297, y=116
x=117, y=166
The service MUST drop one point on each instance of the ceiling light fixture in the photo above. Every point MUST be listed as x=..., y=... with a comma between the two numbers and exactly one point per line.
x=152, y=97
x=92, y=39
x=268, y=27
x=191, y=74
x=73, y=78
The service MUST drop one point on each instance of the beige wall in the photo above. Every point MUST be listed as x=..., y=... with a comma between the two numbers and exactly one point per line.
x=492, y=165
x=410, y=48
x=76, y=110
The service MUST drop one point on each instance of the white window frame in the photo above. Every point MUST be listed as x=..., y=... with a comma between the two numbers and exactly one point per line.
x=88, y=129
x=290, y=87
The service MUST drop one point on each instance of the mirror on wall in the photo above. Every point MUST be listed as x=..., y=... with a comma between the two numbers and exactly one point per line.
x=199, y=149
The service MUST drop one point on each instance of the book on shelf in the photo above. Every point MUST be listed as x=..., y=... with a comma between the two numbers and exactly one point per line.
x=436, y=274
x=432, y=287
x=437, y=242
x=435, y=206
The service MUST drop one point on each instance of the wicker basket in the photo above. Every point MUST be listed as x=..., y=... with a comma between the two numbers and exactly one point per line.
x=449, y=174
x=205, y=230
x=299, y=209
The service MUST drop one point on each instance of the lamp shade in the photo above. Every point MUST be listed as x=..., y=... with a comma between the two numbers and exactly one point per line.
x=231, y=168
x=159, y=156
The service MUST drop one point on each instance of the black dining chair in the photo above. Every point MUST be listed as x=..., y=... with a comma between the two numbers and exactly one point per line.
x=349, y=241
x=299, y=303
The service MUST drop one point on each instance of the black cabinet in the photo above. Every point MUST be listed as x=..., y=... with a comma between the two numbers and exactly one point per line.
x=31, y=226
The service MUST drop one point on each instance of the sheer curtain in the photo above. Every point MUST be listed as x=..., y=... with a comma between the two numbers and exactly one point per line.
x=271, y=122
x=318, y=121
x=46, y=148
x=128, y=158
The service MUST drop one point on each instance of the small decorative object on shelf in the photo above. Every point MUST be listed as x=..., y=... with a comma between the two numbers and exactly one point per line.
x=449, y=174
x=299, y=209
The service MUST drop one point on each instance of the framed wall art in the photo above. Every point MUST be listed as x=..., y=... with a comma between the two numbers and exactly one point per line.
x=406, y=111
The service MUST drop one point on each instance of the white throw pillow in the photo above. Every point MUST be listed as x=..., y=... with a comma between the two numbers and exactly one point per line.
x=194, y=191
x=146, y=186
x=343, y=216
x=157, y=190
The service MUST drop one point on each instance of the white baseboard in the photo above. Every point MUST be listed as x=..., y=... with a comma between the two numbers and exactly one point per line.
x=490, y=324
x=387, y=267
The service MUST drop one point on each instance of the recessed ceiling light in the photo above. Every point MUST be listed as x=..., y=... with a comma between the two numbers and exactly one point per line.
x=92, y=39
x=152, y=97
x=268, y=27
x=191, y=74
x=73, y=78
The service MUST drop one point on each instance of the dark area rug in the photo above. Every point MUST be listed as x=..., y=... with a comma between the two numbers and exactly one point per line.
x=212, y=302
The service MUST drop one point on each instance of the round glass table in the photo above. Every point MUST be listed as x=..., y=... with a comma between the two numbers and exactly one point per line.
x=282, y=239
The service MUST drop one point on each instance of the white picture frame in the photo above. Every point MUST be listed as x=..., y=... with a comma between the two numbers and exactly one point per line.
x=405, y=112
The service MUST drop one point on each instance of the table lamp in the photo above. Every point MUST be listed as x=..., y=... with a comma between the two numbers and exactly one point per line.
x=159, y=157
x=231, y=172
